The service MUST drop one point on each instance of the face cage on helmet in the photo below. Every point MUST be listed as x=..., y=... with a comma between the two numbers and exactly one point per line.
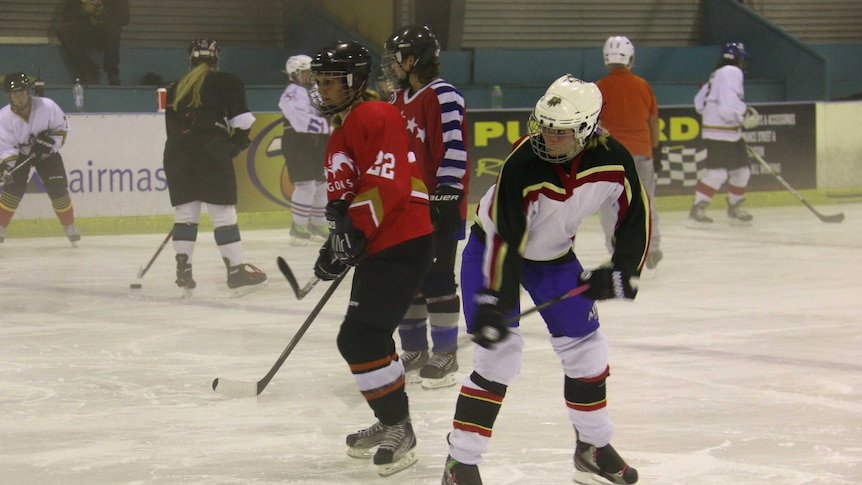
x=20, y=108
x=317, y=101
x=391, y=73
x=540, y=148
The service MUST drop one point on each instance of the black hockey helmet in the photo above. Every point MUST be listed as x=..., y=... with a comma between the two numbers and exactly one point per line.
x=203, y=51
x=16, y=81
x=344, y=57
x=414, y=40
x=350, y=61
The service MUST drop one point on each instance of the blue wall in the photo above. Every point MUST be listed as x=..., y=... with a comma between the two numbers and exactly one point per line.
x=675, y=73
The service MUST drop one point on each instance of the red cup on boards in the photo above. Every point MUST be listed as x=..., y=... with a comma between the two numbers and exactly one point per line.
x=161, y=99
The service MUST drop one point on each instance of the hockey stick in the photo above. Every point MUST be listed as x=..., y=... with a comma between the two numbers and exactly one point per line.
x=253, y=389
x=494, y=335
x=291, y=280
x=143, y=270
x=553, y=301
x=18, y=167
x=835, y=218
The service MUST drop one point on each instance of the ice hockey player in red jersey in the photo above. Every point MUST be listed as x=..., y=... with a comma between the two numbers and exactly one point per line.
x=379, y=222
x=437, y=121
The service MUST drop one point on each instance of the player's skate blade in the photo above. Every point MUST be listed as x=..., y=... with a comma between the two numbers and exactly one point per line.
x=363, y=443
x=245, y=290
x=407, y=460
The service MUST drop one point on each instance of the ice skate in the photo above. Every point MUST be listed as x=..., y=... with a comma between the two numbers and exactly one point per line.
x=413, y=361
x=361, y=443
x=319, y=233
x=72, y=234
x=184, y=276
x=737, y=216
x=397, y=449
x=457, y=473
x=602, y=466
x=439, y=371
x=244, y=278
x=299, y=235
x=697, y=218
x=2, y=233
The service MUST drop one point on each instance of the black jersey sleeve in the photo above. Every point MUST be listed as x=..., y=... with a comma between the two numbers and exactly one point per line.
x=510, y=220
x=633, y=231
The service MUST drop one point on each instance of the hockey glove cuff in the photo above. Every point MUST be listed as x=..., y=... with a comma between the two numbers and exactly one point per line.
x=348, y=242
x=607, y=283
x=238, y=142
x=446, y=210
x=490, y=324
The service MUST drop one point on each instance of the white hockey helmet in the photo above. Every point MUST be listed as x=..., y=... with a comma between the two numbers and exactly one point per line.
x=297, y=64
x=619, y=50
x=568, y=104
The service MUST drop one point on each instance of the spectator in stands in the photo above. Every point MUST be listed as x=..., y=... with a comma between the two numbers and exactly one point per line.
x=93, y=23
x=630, y=115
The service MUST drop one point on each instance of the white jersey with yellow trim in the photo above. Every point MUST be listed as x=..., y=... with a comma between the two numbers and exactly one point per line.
x=17, y=134
x=721, y=103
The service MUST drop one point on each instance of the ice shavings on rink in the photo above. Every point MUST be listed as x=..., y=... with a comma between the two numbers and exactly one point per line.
x=738, y=363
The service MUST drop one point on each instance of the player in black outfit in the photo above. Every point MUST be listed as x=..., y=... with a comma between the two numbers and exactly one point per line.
x=208, y=123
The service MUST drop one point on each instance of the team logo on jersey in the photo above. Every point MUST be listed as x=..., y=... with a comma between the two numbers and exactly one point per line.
x=339, y=162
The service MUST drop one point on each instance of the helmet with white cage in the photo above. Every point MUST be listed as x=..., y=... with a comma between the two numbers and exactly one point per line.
x=564, y=119
x=348, y=62
x=295, y=65
x=619, y=50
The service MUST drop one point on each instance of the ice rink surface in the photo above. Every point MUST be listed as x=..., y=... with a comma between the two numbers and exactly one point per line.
x=740, y=362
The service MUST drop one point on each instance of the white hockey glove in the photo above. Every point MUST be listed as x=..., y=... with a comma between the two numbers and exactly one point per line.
x=5, y=174
x=751, y=118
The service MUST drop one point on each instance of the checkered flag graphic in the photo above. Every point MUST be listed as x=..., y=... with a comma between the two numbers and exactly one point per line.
x=680, y=166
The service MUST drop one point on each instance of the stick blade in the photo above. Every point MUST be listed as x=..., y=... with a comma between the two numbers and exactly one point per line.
x=235, y=388
x=834, y=218
x=288, y=275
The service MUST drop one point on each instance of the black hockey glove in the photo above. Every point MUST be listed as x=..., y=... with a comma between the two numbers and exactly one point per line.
x=43, y=147
x=328, y=267
x=606, y=283
x=446, y=209
x=490, y=326
x=656, y=158
x=238, y=142
x=347, y=242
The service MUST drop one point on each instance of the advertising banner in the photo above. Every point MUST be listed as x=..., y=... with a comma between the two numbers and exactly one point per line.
x=785, y=139
x=114, y=161
x=114, y=168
